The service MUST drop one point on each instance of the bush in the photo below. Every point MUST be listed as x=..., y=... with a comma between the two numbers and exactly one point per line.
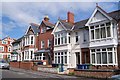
x=71, y=74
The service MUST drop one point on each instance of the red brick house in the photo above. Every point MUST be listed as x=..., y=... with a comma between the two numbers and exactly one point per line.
x=6, y=48
x=45, y=49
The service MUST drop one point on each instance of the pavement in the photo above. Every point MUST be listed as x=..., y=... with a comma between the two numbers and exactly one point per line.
x=16, y=73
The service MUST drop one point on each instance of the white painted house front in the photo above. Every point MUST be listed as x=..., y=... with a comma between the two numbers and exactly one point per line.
x=68, y=42
x=90, y=41
x=103, y=38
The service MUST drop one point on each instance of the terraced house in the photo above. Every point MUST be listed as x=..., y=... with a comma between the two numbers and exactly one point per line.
x=24, y=47
x=6, y=48
x=91, y=41
x=45, y=42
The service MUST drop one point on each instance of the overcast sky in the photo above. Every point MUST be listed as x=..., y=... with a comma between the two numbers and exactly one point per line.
x=16, y=16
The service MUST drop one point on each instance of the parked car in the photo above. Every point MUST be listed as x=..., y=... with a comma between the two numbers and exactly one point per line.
x=4, y=64
x=115, y=77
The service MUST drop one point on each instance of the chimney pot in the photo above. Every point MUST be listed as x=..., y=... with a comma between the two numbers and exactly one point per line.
x=46, y=18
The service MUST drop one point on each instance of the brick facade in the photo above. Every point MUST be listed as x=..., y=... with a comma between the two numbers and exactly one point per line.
x=22, y=65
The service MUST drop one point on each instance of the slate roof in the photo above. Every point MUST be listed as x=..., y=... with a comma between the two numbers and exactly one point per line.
x=18, y=40
x=48, y=24
x=81, y=24
x=35, y=27
x=115, y=15
x=67, y=25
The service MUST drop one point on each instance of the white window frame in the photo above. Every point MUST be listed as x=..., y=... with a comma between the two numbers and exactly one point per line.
x=9, y=48
x=61, y=35
x=42, y=44
x=6, y=42
x=113, y=57
x=76, y=36
x=2, y=48
x=99, y=28
x=31, y=40
x=56, y=55
x=49, y=43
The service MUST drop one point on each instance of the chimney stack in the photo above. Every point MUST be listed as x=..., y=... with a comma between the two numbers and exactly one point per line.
x=46, y=18
x=70, y=17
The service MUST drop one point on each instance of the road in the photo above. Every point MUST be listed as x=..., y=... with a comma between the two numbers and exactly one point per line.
x=24, y=74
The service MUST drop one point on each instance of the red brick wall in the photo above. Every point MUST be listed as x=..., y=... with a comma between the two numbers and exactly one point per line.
x=70, y=17
x=95, y=74
x=45, y=37
x=22, y=65
x=14, y=64
x=26, y=65
x=104, y=67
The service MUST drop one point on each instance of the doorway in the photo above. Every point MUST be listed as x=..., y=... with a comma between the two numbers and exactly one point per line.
x=77, y=57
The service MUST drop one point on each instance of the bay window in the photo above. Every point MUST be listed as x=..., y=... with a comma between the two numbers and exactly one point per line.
x=103, y=56
x=100, y=31
x=60, y=38
x=40, y=56
x=61, y=58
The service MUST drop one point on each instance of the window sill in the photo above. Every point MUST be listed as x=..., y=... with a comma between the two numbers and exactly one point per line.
x=104, y=64
x=60, y=45
x=104, y=39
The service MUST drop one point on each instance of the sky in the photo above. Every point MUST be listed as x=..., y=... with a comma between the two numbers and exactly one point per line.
x=16, y=16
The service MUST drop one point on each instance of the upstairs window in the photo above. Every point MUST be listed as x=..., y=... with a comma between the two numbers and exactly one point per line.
x=100, y=31
x=76, y=37
x=9, y=49
x=55, y=39
x=58, y=39
x=4, y=42
x=31, y=39
x=49, y=43
x=42, y=44
x=69, y=38
x=1, y=48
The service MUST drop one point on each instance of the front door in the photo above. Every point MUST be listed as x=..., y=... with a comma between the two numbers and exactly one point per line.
x=77, y=57
x=85, y=57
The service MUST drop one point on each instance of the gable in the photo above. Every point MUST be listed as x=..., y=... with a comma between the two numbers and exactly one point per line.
x=98, y=17
x=30, y=31
x=59, y=28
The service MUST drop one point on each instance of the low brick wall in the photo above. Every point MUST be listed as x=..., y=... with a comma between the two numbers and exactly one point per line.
x=26, y=65
x=14, y=64
x=104, y=67
x=48, y=69
x=35, y=68
x=22, y=65
x=96, y=73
